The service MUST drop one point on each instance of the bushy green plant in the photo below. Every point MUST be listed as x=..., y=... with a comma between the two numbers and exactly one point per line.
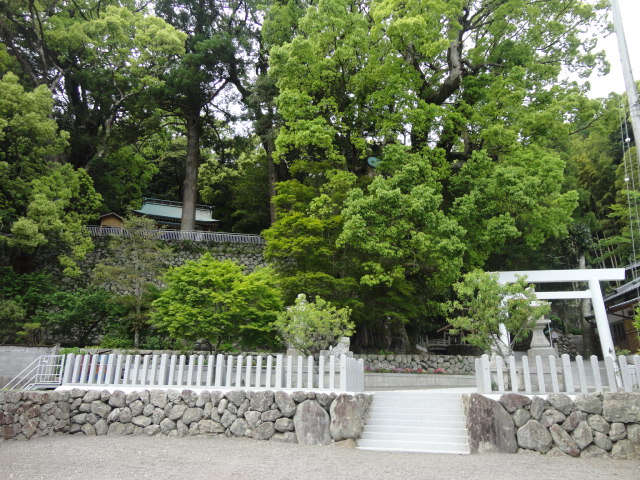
x=312, y=326
x=485, y=304
x=218, y=303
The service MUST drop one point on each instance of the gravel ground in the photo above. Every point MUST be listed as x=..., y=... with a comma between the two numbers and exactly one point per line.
x=137, y=457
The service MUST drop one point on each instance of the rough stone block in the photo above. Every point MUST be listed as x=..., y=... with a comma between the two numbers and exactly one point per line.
x=618, y=431
x=264, y=431
x=100, y=409
x=534, y=436
x=588, y=403
x=551, y=416
x=137, y=408
x=270, y=415
x=141, y=421
x=593, y=451
x=582, y=435
x=210, y=427
x=626, y=450
x=285, y=404
x=521, y=416
x=158, y=398
x=101, y=427
x=261, y=401
x=284, y=425
x=118, y=399
x=621, y=407
x=598, y=423
x=236, y=397
x=312, y=424
x=286, y=437
x=252, y=418
x=573, y=420
x=347, y=417
x=602, y=441
x=91, y=396
x=633, y=433
x=227, y=419
x=490, y=427
x=177, y=411
x=189, y=397
x=564, y=441
x=561, y=402
x=513, y=401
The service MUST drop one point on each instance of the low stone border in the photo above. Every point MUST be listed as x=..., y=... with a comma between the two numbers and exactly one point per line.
x=302, y=417
x=589, y=425
x=451, y=364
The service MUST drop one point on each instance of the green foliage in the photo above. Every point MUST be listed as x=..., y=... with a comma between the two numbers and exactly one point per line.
x=29, y=140
x=132, y=268
x=216, y=302
x=485, y=304
x=77, y=317
x=60, y=206
x=313, y=326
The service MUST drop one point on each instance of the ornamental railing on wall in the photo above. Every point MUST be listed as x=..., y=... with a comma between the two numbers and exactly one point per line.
x=344, y=374
x=167, y=234
x=557, y=375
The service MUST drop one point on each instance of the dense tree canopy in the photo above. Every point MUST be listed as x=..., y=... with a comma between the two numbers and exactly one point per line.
x=384, y=148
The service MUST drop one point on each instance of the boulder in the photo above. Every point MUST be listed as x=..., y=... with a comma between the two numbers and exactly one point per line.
x=261, y=401
x=599, y=424
x=311, y=423
x=573, y=420
x=236, y=397
x=270, y=415
x=633, y=433
x=264, y=431
x=618, y=431
x=564, y=441
x=582, y=435
x=252, y=418
x=626, y=450
x=239, y=427
x=513, y=401
x=285, y=404
x=551, y=416
x=167, y=425
x=347, y=417
x=537, y=407
x=561, y=402
x=490, y=427
x=159, y=398
x=588, y=403
x=602, y=441
x=118, y=399
x=521, y=416
x=593, y=451
x=191, y=415
x=100, y=409
x=621, y=407
x=209, y=426
x=533, y=436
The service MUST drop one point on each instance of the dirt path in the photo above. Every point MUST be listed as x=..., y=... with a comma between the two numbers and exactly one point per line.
x=137, y=457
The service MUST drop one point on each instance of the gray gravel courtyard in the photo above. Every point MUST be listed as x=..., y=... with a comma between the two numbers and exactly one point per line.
x=137, y=457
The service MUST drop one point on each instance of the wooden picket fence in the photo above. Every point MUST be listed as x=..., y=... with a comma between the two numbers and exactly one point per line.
x=215, y=372
x=553, y=375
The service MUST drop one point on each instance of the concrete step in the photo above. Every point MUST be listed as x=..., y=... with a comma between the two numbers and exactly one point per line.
x=411, y=446
x=416, y=421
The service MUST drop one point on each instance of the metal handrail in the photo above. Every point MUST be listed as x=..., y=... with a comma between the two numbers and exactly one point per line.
x=44, y=370
x=169, y=234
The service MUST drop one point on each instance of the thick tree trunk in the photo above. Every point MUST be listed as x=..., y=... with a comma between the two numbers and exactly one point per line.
x=190, y=185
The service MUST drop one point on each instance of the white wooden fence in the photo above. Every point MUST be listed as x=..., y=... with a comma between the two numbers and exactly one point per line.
x=554, y=375
x=215, y=372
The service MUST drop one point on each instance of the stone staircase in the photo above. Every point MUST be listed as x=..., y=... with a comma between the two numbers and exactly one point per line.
x=416, y=421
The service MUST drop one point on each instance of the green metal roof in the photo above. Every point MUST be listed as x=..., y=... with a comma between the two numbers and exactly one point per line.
x=173, y=211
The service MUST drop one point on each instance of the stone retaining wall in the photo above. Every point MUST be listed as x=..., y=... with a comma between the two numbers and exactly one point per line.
x=451, y=364
x=587, y=425
x=298, y=417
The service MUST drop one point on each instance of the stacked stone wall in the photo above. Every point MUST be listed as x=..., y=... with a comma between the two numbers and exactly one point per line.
x=587, y=425
x=451, y=364
x=298, y=417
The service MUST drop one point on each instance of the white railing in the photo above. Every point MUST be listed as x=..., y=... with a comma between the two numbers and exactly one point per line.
x=44, y=372
x=555, y=375
x=167, y=234
x=216, y=372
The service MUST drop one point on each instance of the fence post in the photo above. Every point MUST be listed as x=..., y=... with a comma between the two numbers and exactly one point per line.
x=343, y=373
x=332, y=372
x=227, y=380
x=361, y=375
x=210, y=367
x=515, y=384
x=486, y=373
x=110, y=364
x=247, y=381
x=636, y=364
x=525, y=374
x=162, y=375
x=582, y=378
x=267, y=380
x=500, y=373
x=239, y=371
x=309, y=371
x=540, y=373
x=321, y=372
x=172, y=370
x=153, y=375
x=553, y=371
x=624, y=370
x=299, y=373
x=289, y=372
x=127, y=370
x=180, y=379
x=611, y=374
x=192, y=362
x=219, y=369
x=199, y=370
x=595, y=368
x=259, y=371
x=68, y=368
x=568, y=374
x=278, y=371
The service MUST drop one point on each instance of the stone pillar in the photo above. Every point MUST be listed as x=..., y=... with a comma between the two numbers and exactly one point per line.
x=539, y=343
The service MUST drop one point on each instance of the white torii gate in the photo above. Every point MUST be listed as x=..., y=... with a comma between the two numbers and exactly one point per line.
x=592, y=276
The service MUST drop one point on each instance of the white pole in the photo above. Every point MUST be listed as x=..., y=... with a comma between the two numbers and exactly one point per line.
x=632, y=93
x=602, y=322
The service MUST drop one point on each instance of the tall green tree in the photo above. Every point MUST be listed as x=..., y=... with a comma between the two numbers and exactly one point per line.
x=212, y=301
x=132, y=269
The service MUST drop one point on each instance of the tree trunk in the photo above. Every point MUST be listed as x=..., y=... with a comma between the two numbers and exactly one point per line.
x=190, y=186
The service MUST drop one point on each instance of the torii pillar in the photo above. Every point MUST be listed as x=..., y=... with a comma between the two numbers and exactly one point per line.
x=592, y=276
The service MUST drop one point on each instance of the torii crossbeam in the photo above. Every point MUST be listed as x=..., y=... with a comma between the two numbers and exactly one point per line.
x=592, y=276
